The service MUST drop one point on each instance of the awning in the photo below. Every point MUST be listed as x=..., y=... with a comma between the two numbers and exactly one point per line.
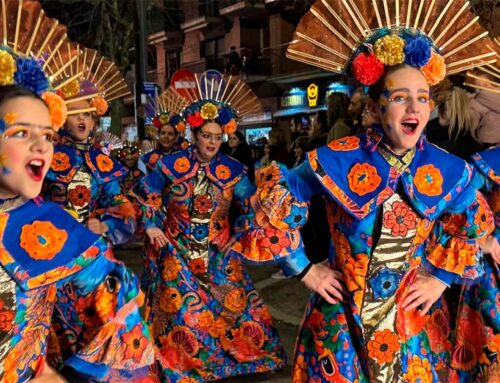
x=292, y=111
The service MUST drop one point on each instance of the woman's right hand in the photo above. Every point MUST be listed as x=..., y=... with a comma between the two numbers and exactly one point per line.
x=326, y=282
x=491, y=246
x=157, y=236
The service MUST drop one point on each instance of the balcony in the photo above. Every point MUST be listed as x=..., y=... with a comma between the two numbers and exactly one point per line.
x=203, y=23
x=241, y=7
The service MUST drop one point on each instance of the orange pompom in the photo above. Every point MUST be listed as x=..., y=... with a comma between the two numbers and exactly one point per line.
x=230, y=127
x=100, y=105
x=435, y=69
x=180, y=127
x=57, y=109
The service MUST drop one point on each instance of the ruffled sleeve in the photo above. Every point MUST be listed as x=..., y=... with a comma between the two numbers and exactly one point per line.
x=97, y=320
x=117, y=212
x=279, y=208
x=149, y=195
x=453, y=246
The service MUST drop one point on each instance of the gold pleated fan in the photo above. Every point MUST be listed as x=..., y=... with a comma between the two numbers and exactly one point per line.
x=27, y=30
x=91, y=77
x=486, y=77
x=229, y=90
x=333, y=31
x=170, y=102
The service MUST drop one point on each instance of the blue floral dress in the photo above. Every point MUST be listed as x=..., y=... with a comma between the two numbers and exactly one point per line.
x=477, y=344
x=390, y=217
x=206, y=316
x=43, y=248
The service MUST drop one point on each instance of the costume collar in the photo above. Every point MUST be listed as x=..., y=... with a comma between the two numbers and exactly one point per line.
x=360, y=174
x=68, y=158
x=36, y=249
x=222, y=170
x=11, y=203
x=488, y=164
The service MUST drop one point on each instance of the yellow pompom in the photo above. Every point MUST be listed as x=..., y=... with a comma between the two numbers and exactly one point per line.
x=209, y=111
x=71, y=89
x=390, y=49
x=7, y=68
x=164, y=118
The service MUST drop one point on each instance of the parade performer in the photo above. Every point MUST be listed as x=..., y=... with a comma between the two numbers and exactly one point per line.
x=82, y=178
x=170, y=126
x=43, y=246
x=475, y=353
x=206, y=316
x=404, y=216
x=129, y=155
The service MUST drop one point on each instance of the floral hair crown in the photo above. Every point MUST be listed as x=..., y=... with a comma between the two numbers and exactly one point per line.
x=214, y=97
x=166, y=109
x=365, y=37
x=202, y=111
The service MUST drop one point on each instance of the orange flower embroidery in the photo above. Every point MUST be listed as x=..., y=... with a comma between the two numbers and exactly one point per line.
x=419, y=370
x=171, y=268
x=400, y=219
x=104, y=163
x=383, y=347
x=428, y=180
x=154, y=158
x=222, y=172
x=79, y=196
x=60, y=162
x=154, y=199
x=363, y=179
x=235, y=300
x=6, y=318
x=234, y=270
x=197, y=266
x=170, y=300
x=483, y=218
x=345, y=144
x=276, y=243
x=135, y=344
x=42, y=240
x=218, y=327
x=300, y=370
x=181, y=165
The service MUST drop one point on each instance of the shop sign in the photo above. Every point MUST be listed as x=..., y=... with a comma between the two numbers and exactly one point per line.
x=312, y=95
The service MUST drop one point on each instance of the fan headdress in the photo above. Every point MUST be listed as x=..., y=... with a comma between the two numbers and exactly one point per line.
x=31, y=45
x=90, y=77
x=486, y=77
x=167, y=108
x=363, y=38
x=216, y=98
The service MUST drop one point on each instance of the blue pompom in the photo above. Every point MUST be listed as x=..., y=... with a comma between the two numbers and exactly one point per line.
x=417, y=51
x=175, y=119
x=29, y=74
x=225, y=115
x=3, y=125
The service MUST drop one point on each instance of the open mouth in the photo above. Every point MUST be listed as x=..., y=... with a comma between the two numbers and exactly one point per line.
x=35, y=169
x=409, y=126
x=81, y=127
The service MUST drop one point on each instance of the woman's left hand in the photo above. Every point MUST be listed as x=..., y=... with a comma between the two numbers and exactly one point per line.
x=227, y=247
x=425, y=291
x=48, y=375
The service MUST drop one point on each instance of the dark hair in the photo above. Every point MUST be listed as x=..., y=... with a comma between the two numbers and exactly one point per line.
x=169, y=125
x=240, y=136
x=337, y=107
x=8, y=92
x=300, y=142
x=323, y=121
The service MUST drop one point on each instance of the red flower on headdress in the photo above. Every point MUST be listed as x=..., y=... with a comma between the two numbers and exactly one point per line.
x=157, y=123
x=366, y=68
x=195, y=120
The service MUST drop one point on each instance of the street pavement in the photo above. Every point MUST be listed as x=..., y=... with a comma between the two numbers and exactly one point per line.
x=285, y=298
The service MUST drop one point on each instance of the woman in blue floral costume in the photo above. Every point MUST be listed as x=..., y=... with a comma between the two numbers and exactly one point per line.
x=477, y=343
x=40, y=253
x=207, y=319
x=404, y=216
